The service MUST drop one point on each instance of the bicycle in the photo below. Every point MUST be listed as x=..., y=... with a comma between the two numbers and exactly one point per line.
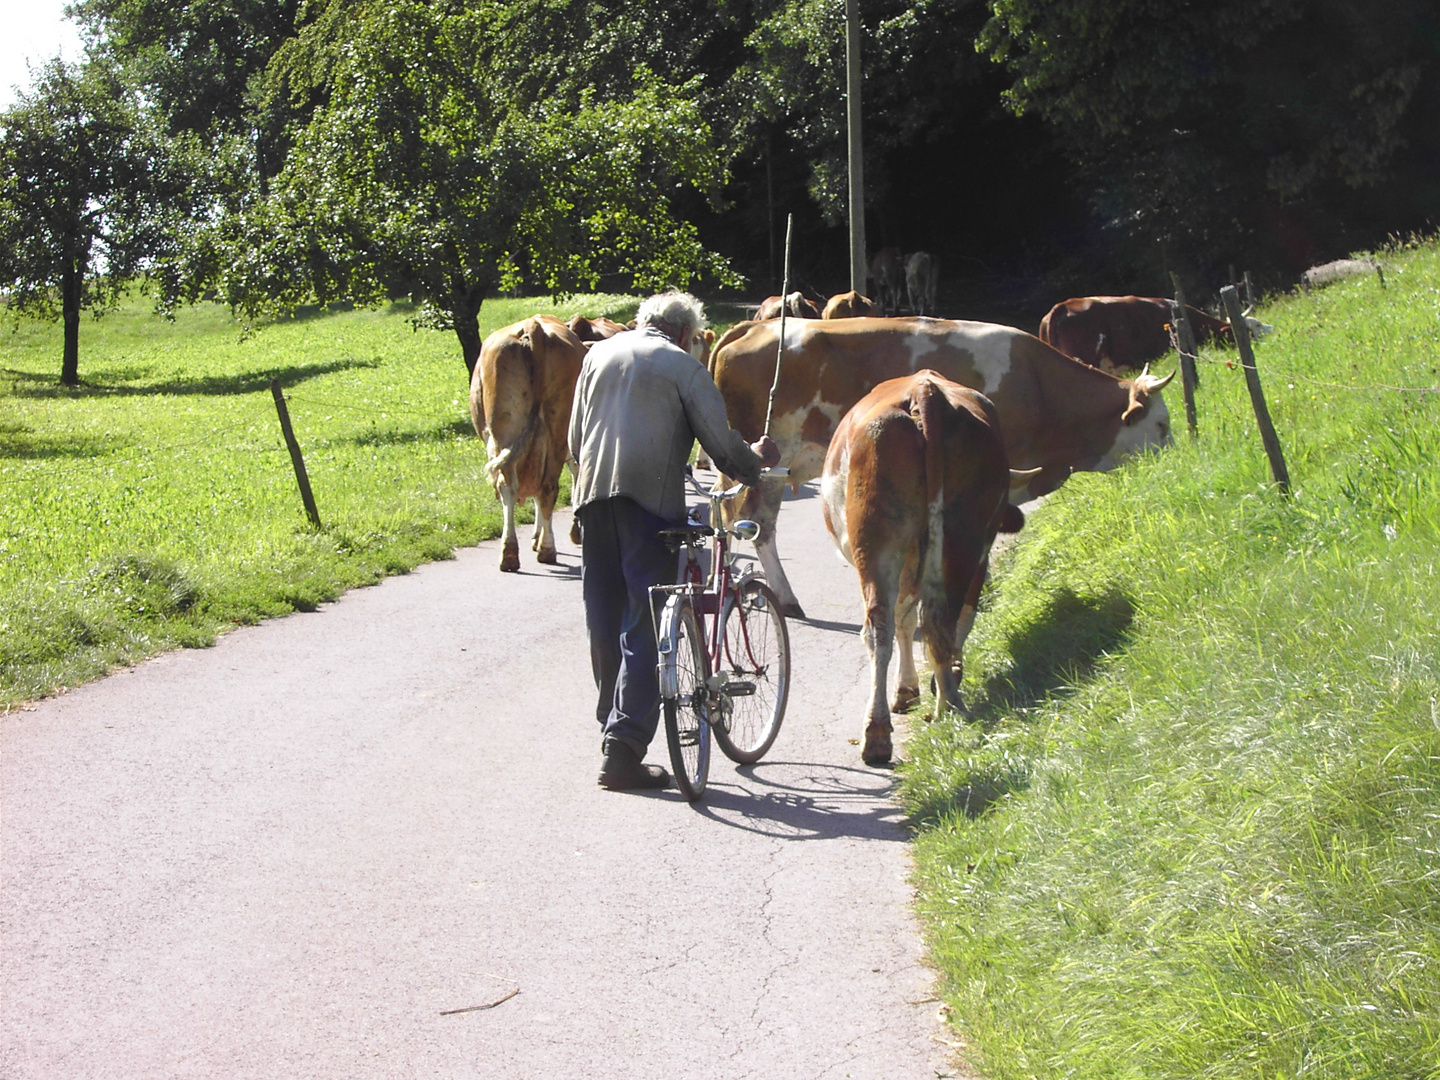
x=724, y=651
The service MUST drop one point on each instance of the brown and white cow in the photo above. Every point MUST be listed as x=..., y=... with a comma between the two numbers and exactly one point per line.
x=1055, y=414
x=887, y=271
x=1115, y=332
x=914, y=490
x=520, y=398
x=922, y=276
x=797, y=306
x=849, y=305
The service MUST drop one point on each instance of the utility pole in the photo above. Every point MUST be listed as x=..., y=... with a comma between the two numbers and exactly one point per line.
x=857, y=157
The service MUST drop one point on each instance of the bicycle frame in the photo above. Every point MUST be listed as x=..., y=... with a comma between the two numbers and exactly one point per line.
x=701, y=694
x=708, y=593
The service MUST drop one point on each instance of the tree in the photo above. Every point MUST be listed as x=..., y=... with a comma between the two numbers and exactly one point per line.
x=197, y=59
x=1208, y=123
x=424, y=171
x=87, y=191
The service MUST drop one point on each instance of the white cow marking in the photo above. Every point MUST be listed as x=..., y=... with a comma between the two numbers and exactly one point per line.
x=988, y=345
x=797, y=333
x=1150, y=433
x=832, y=490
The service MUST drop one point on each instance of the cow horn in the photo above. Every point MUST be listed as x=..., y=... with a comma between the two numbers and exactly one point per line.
x=1248, y=311
x=1018, y=475
x=1152, y=384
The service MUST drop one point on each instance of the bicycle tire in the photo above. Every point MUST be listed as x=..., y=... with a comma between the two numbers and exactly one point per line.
x=756, y=660
x=684, y=697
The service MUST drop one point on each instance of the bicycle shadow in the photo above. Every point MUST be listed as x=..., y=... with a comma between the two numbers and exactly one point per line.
x=804, y=800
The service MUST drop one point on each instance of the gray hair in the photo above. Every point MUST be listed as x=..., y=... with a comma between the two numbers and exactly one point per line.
x=674, y=314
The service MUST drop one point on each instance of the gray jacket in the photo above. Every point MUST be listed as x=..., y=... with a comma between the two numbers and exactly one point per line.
x=640, y=404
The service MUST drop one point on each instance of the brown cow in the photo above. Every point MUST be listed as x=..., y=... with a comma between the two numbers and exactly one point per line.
x=797, y=306
x=597, y=329
x=520, y=397
x=1055, y=414
x=922, y=276
x=887, y=271
x=914, y=491
x=1114, y=332
x=850, y=305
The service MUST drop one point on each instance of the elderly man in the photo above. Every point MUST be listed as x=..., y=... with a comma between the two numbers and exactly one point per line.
x=640, y=404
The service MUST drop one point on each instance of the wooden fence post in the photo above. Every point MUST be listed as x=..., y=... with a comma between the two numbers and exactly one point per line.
x=1185, y=339
x=295, y=459
x=1241, y=331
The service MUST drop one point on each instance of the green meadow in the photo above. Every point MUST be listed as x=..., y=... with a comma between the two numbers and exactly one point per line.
x=156, y=505
x=1194, y=827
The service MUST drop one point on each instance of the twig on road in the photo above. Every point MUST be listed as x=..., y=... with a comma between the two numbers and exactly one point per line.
x=477, y=1008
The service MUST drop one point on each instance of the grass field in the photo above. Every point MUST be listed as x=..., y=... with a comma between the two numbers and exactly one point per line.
x=155, y=505
x=1195, y=830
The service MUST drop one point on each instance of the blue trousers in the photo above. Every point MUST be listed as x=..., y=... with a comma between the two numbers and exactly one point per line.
x=620, y=559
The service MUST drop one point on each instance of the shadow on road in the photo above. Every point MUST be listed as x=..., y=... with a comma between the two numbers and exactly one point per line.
x=838, y=627
x=806, y=801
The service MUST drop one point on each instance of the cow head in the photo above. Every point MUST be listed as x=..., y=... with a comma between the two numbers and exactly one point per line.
x=1145, y=423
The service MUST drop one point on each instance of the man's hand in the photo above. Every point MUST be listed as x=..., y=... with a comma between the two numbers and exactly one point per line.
x=768, y=451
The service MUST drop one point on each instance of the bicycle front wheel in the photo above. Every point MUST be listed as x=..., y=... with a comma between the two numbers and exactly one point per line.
x=756, y=662
x=684, y=696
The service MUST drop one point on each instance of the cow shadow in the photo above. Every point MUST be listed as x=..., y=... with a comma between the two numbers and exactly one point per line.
x=1057, y=651
x=1053, y=656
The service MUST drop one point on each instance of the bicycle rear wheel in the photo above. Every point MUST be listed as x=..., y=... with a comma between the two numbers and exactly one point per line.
x=684, y=696
x=756, y=661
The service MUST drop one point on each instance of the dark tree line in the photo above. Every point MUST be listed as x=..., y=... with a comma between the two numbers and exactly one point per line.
x=446, y=150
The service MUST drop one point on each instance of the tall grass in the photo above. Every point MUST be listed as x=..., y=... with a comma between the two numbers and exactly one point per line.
x=1194, y=832
x=155, y=504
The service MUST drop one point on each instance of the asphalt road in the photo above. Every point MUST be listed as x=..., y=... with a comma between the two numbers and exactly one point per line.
x=297, y=853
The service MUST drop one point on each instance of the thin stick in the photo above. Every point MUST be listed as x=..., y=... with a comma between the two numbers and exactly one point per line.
x=784, y=303
x=477, y=1008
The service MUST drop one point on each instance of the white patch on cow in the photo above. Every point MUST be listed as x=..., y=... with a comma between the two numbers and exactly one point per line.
x=797, y=333
x=832, y=490
x=1149, y=433
x=803, y=458
x=989, y=345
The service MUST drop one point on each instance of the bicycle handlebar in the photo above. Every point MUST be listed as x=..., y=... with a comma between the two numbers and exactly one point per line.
x=730, y=493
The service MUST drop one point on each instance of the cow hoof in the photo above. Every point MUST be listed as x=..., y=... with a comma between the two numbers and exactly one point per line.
x=547, y=557
x=510, y=560
x=575, y=531
x=905, y=699
x=877, y=745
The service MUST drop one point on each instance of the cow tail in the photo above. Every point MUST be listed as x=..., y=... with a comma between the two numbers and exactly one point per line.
x=495, y=467
x=926, y=408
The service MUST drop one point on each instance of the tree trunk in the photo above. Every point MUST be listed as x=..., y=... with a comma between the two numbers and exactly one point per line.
x=466, y=308
x=71, y=281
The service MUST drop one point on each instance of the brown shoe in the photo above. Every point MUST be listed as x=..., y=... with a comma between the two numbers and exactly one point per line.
x=622, y=770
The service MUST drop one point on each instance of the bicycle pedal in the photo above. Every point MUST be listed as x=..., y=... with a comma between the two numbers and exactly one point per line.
x=740, y=688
